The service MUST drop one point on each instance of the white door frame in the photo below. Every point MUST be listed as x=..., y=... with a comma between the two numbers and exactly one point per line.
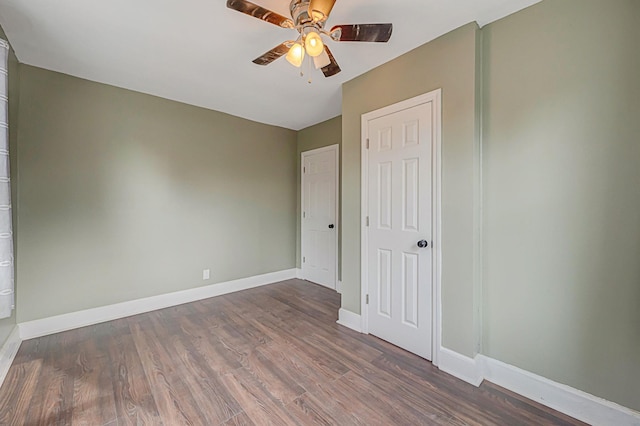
x=436, y=243
x=336, y=149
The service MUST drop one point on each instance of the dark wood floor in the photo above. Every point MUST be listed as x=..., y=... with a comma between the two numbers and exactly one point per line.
x=271, y=355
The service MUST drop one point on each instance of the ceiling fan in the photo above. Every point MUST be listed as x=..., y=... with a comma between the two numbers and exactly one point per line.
x=309, y=18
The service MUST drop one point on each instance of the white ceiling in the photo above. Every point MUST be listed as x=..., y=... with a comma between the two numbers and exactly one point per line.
x=199, y=52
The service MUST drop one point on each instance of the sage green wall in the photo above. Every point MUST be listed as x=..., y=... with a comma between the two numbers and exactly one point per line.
x=562, y=194
x=7, y=324
x=125, y=195
x=320, y=135
x=448, y=62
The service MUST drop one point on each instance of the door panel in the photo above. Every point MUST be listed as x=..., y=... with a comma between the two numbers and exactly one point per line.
x=399, y=209
x=410, y=193
x=410, y=285
x=384, y=282
x=384, y=195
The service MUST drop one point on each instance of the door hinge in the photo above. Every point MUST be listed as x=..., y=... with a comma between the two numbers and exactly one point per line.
x=304, y=170
x=367, y=143
x=367, y=299
x=367, y=220
x=304, y=214
x=304, y=260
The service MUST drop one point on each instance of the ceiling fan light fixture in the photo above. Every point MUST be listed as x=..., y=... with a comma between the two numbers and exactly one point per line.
x=322, y=60
x=296, y=55
x=313, y=44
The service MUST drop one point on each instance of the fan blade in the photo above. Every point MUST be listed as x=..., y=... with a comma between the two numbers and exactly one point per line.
x=320, y=9
x=274, y=53
x=380, y=33
x=333, y=68
x=259, y=12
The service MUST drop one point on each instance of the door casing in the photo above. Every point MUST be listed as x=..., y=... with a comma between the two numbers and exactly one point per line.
x=336, y=149
x=436, y=251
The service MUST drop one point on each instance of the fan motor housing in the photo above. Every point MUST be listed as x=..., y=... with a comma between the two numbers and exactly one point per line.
x=300, y=12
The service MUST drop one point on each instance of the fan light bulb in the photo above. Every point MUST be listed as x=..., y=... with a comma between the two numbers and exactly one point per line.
x=317, y=16
x=296, y=55
x=313, y=44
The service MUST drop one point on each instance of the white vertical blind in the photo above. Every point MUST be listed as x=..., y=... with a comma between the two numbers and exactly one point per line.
x=6, y=229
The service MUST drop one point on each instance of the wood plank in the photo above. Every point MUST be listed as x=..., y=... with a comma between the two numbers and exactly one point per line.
x=53, y=403
x=240, y=420
x=132, y=393
x=260, y=405
x=93, y=398
x=273, y=376
x=32, y=349
x=220, y=357
x=205, y=384
x=322, y=408
x=19, y=384
x=173, y=397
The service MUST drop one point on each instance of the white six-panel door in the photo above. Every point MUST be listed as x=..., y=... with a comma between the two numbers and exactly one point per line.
x=400, y=223
x=319, y=216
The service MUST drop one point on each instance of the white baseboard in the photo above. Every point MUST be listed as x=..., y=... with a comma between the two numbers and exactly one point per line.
x=339, y=287
x=460, y=366
x=8, y=353
x=573, y=402
x=56, y=324
x=350, y=320
x=299, y=274
x=570, y=401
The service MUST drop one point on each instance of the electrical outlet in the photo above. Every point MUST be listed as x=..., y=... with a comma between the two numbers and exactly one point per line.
x=206, y=274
